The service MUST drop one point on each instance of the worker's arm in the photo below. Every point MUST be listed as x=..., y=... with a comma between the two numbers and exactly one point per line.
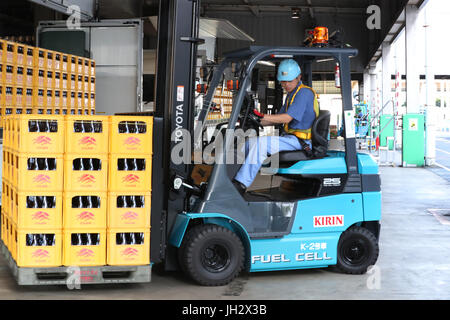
x=273, y=119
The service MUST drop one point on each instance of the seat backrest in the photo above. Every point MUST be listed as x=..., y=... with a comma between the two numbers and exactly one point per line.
x=319, y=130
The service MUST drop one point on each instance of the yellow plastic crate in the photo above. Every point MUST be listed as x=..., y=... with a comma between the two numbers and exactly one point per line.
x=28, y=77
x=38, y=210
x=31, y=250
x=29, y=56
x=87, y=134
x=49, y=63
x=28, y=99
x=39, y=77
x=3, y=227
x=6, y=230
x=65, y=62
x=2, y=73
x=131, y=134
x=72, y=64
x=13, y=237
x=39, y=56
x=5, y=198
x=131, y=180
x=129, y=210
x=39, y=134
x=80, y=65
x=119, y=253
x=20, y=76
x=2, y=90
x=84, y=254
x=57, y=79
x=49, y=102
x=20, y=54
x=43, y=180
x=50, y=79
x=56, y=100
x=83, y=210
x=9, y=74
x=6, y=133
x=92, y=68
x=65, y=80
x=57, y=61
x=38, y=98
x=92, y=84
x=20, y=97
x=77, y=179
x=2, y=50
x=9, y=52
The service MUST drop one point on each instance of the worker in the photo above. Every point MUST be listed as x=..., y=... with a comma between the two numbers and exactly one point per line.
x=298, y=113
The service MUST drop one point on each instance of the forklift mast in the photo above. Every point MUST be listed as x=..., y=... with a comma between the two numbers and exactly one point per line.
x=178, y=27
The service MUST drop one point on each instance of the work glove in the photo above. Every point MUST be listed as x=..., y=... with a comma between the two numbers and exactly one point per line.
x=258, y=114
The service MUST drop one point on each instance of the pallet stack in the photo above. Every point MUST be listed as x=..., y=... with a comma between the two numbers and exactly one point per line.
x=39, y=81
x=85, y=190
x=32, y=189
x=76, y=190
x=130, y=154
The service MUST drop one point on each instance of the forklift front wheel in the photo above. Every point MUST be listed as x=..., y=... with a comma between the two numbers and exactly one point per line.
x=211, y=255
x=357, y=250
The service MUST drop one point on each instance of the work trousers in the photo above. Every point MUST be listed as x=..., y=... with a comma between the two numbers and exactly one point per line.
x=257, y=149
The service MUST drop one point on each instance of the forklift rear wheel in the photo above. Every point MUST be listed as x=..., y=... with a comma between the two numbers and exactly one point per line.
x=211, y=255
x=357, y=250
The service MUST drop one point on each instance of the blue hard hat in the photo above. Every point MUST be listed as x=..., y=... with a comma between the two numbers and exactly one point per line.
x=288, y=70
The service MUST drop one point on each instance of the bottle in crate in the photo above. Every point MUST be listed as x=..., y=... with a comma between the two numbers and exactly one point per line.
x=128, y=247
x=130, y=173
x=83, y=247
x=128, y=210
x=84, y=210
x=88, y=135
x=131, y=134
x=89, y=173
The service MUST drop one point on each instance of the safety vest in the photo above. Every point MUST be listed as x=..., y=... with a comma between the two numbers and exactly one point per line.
x=304, y=134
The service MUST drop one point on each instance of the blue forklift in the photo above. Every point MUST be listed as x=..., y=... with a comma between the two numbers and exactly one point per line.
x=326, y=210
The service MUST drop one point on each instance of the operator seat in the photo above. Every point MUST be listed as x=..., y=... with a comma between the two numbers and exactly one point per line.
x=319, y=133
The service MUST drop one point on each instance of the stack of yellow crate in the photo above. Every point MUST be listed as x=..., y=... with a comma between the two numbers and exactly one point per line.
x=32, y=189
x=85, y=190
x=39, y=81
x=130, y=159
x=76, y=190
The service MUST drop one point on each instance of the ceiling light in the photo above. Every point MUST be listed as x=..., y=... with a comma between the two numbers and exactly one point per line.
x=295, y=13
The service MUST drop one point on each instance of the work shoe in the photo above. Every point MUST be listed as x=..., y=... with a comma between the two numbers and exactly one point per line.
x=239, y=186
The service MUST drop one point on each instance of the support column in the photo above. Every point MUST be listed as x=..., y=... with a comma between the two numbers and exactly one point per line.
x=366, y=80
x=386, y=77
x=412, y=63
x=430, y=90
x=373, y=89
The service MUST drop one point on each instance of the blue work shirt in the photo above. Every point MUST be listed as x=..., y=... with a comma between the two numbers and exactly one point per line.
x=301, y=109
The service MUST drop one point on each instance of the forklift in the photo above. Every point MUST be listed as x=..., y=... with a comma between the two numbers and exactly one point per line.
x=325, y=212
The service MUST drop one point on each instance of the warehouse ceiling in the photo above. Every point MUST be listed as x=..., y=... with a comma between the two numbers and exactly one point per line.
x=268, y=22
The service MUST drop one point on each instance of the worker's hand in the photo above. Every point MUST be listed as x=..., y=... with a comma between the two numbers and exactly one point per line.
x=258, y=114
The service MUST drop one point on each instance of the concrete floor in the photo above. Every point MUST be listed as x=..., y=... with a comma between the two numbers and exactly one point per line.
x=414, y=261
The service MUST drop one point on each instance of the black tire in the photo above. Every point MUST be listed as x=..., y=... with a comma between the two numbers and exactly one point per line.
x=211, y=255
x=357, y=250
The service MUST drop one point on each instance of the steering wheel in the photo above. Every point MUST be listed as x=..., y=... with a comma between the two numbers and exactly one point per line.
x=247, y=119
